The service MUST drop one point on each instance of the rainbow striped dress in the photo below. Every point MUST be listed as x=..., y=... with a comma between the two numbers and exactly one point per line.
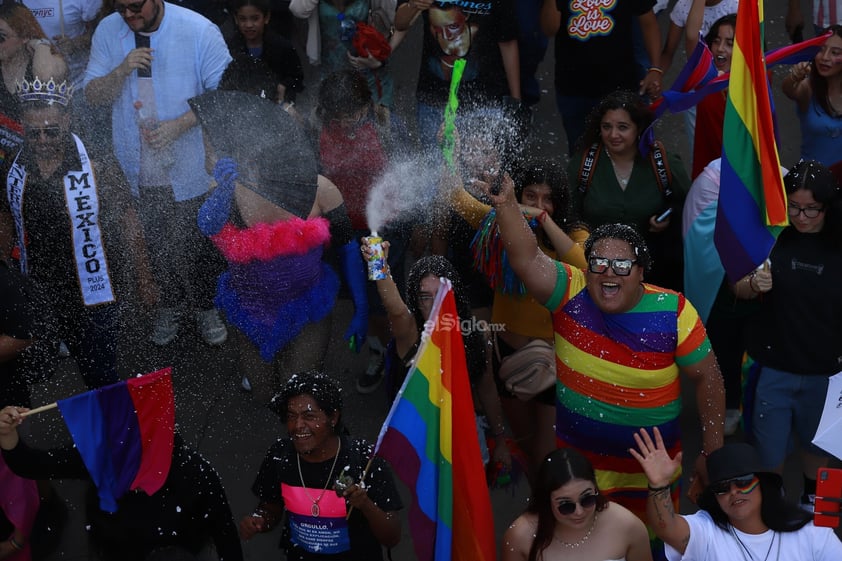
x=618, y=373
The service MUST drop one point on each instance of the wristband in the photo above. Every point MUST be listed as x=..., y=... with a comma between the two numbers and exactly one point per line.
x=15, y=545
x=655, y=69
x=657, y=489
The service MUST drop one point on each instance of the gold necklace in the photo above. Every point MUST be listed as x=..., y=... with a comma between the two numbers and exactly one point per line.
x=583, y=540
x=314, y=510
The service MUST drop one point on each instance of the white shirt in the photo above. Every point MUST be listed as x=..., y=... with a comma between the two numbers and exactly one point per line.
x=68, y=18
x=190, y=56
x=708, y=542
x=712, y=13
x=826, y=12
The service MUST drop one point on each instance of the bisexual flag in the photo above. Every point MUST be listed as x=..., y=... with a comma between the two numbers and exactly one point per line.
x=124, y=433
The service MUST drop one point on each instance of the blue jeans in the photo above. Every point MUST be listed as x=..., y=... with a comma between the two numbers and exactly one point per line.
x=786, y=404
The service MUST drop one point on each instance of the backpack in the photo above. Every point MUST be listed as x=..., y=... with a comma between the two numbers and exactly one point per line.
x=657, y=157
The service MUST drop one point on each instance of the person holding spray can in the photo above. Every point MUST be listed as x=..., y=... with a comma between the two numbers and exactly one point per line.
x=407, y=320
x=356, y=140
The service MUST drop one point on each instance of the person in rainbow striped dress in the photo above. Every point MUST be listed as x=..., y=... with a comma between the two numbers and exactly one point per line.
x=620, y=346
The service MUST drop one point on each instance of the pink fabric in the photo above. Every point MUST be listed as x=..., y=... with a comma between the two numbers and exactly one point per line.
x=20, y=502
x=296, y=500
x=263, y=242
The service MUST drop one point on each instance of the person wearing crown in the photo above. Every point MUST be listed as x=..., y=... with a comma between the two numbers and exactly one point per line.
x=24, y=53
x=70, y=223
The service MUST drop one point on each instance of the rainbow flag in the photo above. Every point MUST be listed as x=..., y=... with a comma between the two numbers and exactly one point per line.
x=698, y=79
x=124, y=433
x=752, y=202
x=450, y=518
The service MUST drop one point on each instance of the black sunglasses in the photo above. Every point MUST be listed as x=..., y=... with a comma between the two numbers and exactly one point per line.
x=621, y=267
x=745, y=484
x=566, y=508
x=36, y=132
x=134, y=7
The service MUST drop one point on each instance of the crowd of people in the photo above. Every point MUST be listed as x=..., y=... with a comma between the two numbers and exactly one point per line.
x=158, y=153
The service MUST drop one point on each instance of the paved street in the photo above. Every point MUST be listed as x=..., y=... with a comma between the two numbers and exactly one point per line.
x=231, y=431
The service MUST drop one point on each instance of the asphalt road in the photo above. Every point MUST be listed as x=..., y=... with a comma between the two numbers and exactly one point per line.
x=233, y=432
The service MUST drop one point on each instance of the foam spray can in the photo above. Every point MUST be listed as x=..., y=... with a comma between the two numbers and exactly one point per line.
x=378, y=269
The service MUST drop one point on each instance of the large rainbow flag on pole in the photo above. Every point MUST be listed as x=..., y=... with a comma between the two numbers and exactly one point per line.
x=450, y=518
x=752, y=202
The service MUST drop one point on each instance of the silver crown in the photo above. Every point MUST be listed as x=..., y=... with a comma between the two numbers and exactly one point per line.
x=49, y=91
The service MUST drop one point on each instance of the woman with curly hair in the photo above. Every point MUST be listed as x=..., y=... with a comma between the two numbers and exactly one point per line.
x=311, y=482
x=612, y=181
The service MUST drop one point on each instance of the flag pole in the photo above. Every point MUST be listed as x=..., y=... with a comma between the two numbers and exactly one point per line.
x=41, y=409
x=362, y=480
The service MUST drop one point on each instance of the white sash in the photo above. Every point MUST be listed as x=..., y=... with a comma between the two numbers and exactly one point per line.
x=14, y=193
x=82, y=201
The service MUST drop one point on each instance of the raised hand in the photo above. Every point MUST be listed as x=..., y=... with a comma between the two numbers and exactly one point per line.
x=653, y=457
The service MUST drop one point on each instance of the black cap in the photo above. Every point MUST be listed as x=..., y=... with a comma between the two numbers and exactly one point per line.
x=733, y=460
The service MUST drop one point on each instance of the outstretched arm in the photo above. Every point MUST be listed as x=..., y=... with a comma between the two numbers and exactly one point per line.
x=660, y=470
x=538, y=272
x=400, y=318
x=695, y=19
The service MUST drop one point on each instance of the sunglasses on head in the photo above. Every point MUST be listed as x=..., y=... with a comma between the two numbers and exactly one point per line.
x=134, y=7
x=621, y=267
x=36, y=132
x=566, y=508
x=745, y=484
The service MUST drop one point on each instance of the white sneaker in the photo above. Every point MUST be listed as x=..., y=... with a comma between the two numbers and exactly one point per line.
x=165, y=326
x=732, y=421
x=211, y=326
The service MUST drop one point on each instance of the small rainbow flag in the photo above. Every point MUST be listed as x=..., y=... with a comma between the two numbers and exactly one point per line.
x=124, y=433
x=752, y=202
x=450, y=518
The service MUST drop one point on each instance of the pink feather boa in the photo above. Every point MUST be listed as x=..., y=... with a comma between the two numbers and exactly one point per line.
x=263, y=242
